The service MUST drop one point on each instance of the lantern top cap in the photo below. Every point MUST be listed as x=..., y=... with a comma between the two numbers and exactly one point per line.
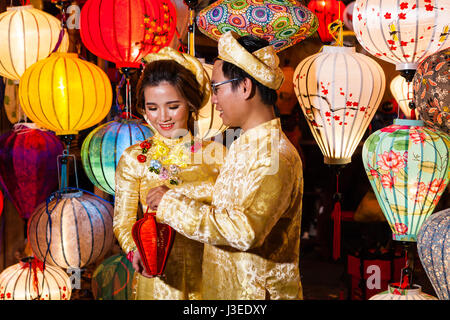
x=338, y=49
x=409, y=122
x=28, y=6
x=414, y=290
x=64, y=55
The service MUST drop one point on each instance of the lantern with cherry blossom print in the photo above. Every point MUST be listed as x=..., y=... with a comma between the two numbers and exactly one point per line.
x=402, y=32
x=327, y=11
x=403, y=94
x=408, y=169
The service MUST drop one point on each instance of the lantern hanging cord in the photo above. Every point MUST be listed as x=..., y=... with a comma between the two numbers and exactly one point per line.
x=337, y=27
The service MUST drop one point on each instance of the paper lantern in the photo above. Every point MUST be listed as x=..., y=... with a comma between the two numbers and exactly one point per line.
x=403, y=94
x=431, y=86
x=65, y=94
x=394, y=293
x=27, y=35
x=408, y=169
x=102, y=148
x=281, y=22
x=11, y=103
x=327, y=11
x=433, y=248
x=28, y=280
x=112, y=279
x=28, y=166
x=402, y=32
x=125, y=31
x=348, y=15
x=339, y=91
x=78, y=233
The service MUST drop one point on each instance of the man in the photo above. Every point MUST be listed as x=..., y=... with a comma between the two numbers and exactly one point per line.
x=252, y=226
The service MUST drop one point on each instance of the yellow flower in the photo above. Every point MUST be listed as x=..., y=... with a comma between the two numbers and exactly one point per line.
x=160, y=149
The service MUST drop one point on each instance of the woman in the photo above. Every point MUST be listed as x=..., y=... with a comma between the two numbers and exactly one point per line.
x=172, y=89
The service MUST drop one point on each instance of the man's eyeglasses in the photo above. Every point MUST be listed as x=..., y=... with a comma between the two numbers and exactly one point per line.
x=215, y=85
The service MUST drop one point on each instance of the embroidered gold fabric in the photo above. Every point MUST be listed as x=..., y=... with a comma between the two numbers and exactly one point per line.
x=251, y=230
x=263, y=64
x=133, y=181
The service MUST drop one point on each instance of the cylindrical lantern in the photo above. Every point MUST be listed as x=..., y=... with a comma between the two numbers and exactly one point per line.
x=27, y=35
x=403, y=94
x=28, y=166
x=433, y=247
x=395, y=293
x=78, y=233
x=125, y=31
x=339, y=91
x=65, y=94
x=102, y=148
x=431, y=86
x=402, y=32
x=408, y=168
x=29, y=280
x=327, y=11
x=113, y=278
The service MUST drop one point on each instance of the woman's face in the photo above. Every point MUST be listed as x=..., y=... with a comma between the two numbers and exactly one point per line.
x=166, y=110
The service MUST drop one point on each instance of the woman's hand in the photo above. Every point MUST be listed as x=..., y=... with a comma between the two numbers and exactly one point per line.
x=138, y=265
x=154, y=196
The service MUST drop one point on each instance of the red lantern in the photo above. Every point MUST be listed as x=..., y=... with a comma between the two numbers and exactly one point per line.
x=125, y=31
x=326, y=11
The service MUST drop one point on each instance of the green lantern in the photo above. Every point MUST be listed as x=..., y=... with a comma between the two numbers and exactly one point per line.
x=408, y=169
x=102, y=148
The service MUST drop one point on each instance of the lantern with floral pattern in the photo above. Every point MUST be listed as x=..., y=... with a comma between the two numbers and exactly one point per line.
x=396, y=293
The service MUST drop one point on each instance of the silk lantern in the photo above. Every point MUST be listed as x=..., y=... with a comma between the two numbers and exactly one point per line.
x=28, y=166
x=395, y=293
x=125, y=31
x=402, y=32
x=72, y=231
x=402, y=92
x=339, y=91
x=27, y=35
x=408, y=169
x=112, y=279
x=433, y=248
x=102, y=148
x=65, y=94
x=327, y=11
x=30, y=280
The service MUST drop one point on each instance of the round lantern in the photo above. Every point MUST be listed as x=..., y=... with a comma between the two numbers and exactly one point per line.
x=125, y=31
x=78, y=233
x=434, y=251
x=28, y=166
x=348, y=15
x=431, y=86
x=403, y=94
x=408, y=168
x=102, y=148
x=27, y=35
x=339, y=91
x=113, y=278
x=29, y=280
x=395, y=293
x=65, y=94
x=327, y=11
x=402, y=32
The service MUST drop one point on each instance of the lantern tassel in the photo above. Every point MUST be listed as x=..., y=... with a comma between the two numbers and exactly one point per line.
x=336, y=215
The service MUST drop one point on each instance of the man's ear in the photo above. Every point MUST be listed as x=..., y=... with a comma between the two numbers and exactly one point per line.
x=247, y=88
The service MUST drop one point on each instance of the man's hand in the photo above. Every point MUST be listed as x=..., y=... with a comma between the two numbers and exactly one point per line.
x=154, y=196
x=138, y=265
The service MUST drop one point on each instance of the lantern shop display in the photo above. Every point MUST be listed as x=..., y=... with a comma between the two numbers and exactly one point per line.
x=29, y=280
x=65, y=94
x=433, y=248
x=27, y=35
x=402, y=32
x=327, y=11
x=28, y=166
x=431, y=84
x=103, y=147
x=282, y=23
x=339, y=91
x=408, y=168
x=75, y=227
x=402, y=91
x=112, y=279
x=395, y=293
x=123, y=32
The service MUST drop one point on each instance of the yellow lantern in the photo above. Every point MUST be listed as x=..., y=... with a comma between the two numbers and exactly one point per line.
x=403, y=94
x=65, y=94
x=27, y=35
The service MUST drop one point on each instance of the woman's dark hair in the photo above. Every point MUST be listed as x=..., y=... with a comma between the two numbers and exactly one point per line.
x=231, y=71
x=175, y=74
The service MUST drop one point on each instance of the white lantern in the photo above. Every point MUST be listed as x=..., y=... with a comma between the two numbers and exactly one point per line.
x=402, y=32
x=395, y=293
x=403, y=94
x=339, y=91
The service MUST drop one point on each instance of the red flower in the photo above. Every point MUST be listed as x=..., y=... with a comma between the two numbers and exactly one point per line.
x=404, y=5
x=145, y=145
x=403, y=43
x=328, y=114
x=437, y=186
x=391, y=161
x=374, y=173
x=141, y=158
x=8, y=295
x=429, y=7
x=417, y=136
x=387, y=15
x=359, y=16
x=362, y=109
x=393, y=48
x=387, y=181
x=402, y=15
x=348, y=103
x=336, y=117
x=391, y=42
x=325, y=91
x=355, y=104
x=401, y=228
